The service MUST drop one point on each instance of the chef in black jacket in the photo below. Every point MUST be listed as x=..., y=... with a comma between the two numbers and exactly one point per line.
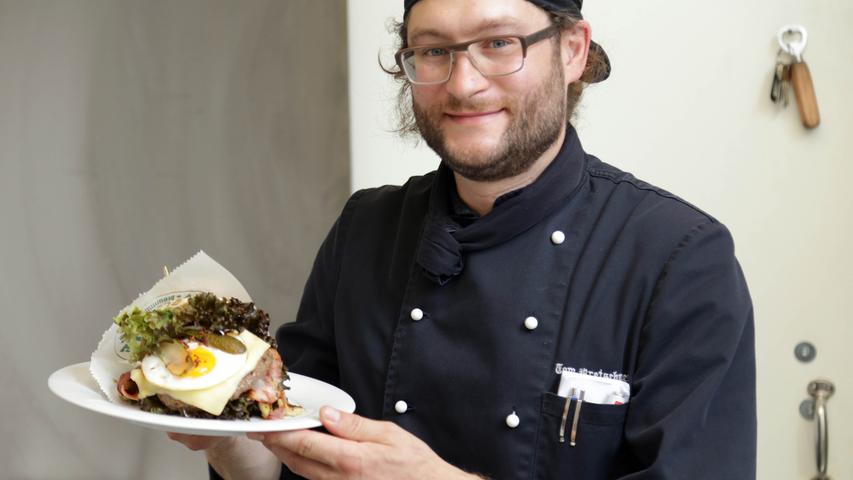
x=450, y=307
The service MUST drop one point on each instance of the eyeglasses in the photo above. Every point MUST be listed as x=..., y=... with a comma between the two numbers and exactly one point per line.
x=491, y=56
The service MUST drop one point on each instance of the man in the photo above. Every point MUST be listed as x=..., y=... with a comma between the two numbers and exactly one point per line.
x=527, y=311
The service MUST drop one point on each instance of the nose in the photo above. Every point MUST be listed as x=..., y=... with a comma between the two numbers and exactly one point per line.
x=465, y=80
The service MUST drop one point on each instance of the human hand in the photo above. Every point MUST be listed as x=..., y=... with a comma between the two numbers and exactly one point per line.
x=233, y=457
x=357, y=448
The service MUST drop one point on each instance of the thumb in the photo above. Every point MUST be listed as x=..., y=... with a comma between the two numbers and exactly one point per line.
x=355, y=427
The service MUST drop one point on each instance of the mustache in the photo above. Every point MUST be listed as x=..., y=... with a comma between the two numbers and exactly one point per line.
x=457, y=104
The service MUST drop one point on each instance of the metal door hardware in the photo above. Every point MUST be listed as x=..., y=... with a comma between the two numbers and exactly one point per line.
x=821, y=389
x=805, y=352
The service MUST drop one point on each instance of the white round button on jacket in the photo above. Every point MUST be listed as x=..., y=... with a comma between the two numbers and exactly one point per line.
x=417, y=314
x=531, y=323
x=401, y=406
x=512, y=420
x=558, y=237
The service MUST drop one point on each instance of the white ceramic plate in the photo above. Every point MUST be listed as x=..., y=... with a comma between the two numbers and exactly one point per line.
x=75, y=384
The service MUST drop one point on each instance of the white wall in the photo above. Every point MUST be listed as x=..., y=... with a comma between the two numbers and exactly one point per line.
x=687, y=109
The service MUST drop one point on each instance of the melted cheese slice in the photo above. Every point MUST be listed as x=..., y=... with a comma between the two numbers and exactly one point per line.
x=212, y=400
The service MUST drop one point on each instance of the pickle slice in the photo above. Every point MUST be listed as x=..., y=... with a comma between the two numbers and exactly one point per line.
x=226, y=343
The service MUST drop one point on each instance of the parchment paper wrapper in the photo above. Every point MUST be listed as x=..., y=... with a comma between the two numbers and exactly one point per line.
x=198, y=274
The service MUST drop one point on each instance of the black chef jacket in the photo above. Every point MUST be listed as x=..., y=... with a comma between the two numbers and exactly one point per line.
x=625, y=281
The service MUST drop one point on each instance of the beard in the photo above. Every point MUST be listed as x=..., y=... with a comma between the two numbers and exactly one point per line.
x=537, y=119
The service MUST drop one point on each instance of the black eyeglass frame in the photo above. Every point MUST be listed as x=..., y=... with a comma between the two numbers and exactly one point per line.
x=526, y=41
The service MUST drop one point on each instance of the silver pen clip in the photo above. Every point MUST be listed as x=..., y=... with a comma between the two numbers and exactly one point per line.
x=572, y=440
x=565, y=415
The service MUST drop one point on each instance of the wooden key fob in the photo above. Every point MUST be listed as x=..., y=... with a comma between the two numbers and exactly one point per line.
x=801, y=80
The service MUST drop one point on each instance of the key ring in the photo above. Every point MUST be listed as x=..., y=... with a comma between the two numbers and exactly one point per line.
x=793, y=48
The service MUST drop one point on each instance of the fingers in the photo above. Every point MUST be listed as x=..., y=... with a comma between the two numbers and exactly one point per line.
x=303, y=466
x=356, y=447
x=358, y=428
x=309, y=444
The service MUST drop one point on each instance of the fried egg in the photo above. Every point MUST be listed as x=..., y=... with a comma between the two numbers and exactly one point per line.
x=210, y=366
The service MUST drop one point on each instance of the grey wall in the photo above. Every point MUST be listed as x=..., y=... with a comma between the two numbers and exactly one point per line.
x=132, y=134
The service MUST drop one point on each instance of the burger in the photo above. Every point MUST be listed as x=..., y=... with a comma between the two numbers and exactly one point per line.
x=204, y=357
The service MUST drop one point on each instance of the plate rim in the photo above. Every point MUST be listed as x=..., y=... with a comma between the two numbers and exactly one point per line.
x=197, y=426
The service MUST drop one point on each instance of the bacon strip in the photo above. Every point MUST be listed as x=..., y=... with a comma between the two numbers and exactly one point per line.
x=285, y=410
x=126, y=387
x=267, y=388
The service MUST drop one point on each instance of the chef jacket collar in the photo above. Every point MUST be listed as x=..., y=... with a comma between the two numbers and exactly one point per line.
x=453, y=229
x=464, y=215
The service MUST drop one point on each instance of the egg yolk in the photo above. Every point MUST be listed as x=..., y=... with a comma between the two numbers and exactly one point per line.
x=203, y=362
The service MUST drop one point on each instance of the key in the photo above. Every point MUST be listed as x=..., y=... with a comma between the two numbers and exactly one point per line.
x=778, y=90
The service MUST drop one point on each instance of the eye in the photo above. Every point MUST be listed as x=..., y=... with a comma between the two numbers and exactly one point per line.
x=433, y=52
x=496, y=43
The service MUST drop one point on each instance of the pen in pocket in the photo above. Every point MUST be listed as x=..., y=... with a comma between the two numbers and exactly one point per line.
x=576, y=394
x=572, y=440
x=565, y=414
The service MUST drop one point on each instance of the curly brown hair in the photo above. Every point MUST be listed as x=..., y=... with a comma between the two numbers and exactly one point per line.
x=596, y=64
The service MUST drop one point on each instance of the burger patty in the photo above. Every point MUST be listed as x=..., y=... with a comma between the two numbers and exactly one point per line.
x=263, y=384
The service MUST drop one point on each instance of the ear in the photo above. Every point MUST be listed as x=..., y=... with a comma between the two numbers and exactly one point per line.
x=574, y=44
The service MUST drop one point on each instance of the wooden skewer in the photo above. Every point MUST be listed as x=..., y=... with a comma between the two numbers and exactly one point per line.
x=165, y=271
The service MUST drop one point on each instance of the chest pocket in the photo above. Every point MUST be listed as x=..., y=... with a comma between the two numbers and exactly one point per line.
x=599, y=435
